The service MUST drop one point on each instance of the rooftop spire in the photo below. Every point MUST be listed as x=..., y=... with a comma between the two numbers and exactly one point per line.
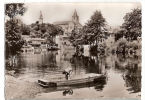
x=41, y=18
x=75, y=17
x=75, y=13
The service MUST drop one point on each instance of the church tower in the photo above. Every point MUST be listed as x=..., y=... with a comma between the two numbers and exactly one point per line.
x=75, y=17
x=41, y=18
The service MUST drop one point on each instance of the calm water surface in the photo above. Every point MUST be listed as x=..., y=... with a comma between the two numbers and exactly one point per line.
x=123, y=74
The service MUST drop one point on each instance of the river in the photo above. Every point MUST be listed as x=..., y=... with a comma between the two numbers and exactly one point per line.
x=123, y=74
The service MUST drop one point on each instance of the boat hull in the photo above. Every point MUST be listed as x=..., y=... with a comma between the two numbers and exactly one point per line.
x=72, y=82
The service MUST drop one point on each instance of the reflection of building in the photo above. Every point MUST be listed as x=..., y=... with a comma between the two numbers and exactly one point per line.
x=68, y=26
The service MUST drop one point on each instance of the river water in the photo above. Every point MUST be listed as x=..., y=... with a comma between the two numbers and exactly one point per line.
x=123, y=74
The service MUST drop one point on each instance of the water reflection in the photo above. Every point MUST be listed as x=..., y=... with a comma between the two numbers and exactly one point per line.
x=67, y=91
x=131, y=69
x=41, y=64
x=91, y=64
x=97, y=85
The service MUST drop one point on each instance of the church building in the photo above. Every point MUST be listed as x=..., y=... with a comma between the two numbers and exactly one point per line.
x=68, y=26
x=41, y=18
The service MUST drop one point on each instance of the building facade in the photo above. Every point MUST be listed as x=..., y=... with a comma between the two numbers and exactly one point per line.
x=68, y=26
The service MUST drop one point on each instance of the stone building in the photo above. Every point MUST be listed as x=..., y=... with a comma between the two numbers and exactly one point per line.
x=68, y=26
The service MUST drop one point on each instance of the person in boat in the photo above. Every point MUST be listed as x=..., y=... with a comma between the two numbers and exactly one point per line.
x=67, y=72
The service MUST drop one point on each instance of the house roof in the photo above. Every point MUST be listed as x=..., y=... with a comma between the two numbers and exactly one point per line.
x=66, y=23
x=62, y=22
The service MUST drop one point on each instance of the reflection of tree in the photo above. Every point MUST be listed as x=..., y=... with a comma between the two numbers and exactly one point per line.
x=48, y=62
x=16, y=65
x=52, y=59
x=91, y=64
x=48, y=59
x=133, y=78
x=131, y=70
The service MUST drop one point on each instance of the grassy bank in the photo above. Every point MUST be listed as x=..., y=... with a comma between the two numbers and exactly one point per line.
x=19, y=89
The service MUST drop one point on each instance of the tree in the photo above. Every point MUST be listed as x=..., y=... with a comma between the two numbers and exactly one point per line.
x=44, y=30
x=13, y=38
x=94, y=30
x=52, y=31
x=14, y=41
x=132, y=24
x=119, y=35
x=25, y=30
x=74, y=35
x=14, y=9
x=96, y=26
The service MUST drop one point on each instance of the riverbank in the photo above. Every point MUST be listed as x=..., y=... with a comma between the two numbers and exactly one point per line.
x=19, y=89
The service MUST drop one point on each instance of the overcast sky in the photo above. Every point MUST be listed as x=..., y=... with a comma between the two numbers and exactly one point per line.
x=52, y=12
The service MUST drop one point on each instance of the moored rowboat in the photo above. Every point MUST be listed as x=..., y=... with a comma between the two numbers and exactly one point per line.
x=88, y=78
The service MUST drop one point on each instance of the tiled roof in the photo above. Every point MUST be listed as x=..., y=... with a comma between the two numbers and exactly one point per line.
x=62, y=22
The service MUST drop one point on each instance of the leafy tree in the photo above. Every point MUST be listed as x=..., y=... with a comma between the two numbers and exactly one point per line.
x=92, y=32
x=52, y=31
x=44, y=30
x=121, y=45
x=14, y=9
x=74, y=35
x=119, y=35
x=13, y=37
x=25, y=30
x=94, y=29
x=14, y=41
x=132, y=25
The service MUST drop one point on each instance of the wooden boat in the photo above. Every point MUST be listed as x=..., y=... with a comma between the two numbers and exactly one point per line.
x=88, y=78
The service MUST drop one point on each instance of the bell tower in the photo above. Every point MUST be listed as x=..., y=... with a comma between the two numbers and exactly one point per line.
x=75, y=17
x=41, y=18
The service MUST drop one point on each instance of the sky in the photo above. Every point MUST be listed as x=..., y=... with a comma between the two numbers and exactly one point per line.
x=53, y=12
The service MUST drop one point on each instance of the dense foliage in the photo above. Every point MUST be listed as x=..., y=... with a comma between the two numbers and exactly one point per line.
x=95, y=27
x=94, y=30
x=25, y=30
x=44, y=30
x=13, y=27
x=132, y=25
x=14, y=9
